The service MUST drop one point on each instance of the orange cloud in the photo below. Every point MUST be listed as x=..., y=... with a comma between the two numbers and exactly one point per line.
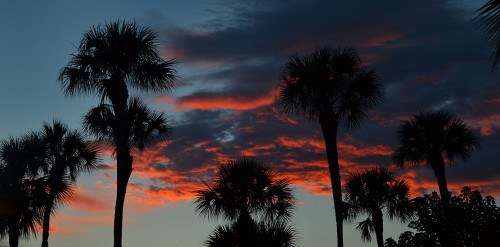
x=231, y=103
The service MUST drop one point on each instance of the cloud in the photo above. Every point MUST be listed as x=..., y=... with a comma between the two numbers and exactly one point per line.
x=429, y=56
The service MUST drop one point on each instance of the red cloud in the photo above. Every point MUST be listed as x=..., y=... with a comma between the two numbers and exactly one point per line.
x=487, y=125
x=231, y=103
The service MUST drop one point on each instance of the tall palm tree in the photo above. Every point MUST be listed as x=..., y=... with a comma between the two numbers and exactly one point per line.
x=66, y=155
x=488, y=17
x=331, y=87
x=21, y=190
x=432, y=138
x=110, y=59
x=372, y=191
x=242, y=190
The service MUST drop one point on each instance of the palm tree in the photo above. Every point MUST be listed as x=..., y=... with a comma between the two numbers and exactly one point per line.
x=331, y=87
x=66, y=155
x=263, y=235
x=488, y=17
x=372, y=191
x=431, y=138
x=21, y=190
x=109, y=60
x=242, y=190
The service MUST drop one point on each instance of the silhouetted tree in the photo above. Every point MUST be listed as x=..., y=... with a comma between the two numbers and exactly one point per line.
x=109, y=60
x=262, y=235
x=488, y=17
x=241, y=189
x=331, y=87
x=21, y=189
x=431, y=138
x=472, y=220
x=66, y=154
x=369, y=193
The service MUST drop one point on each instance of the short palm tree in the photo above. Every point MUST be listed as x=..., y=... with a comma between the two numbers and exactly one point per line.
x=66, y=155
x=242, y=190
x=21, y=190
x=432, y=138
x=263, y=235
x=370, y=193
x=331, y=87
x=488, y=17
x=110, y=59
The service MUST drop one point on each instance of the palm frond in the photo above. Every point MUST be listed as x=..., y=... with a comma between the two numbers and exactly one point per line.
x=366, y=228
x=488, y=18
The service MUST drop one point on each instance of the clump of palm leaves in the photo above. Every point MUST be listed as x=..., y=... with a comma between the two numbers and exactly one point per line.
x=248, y=194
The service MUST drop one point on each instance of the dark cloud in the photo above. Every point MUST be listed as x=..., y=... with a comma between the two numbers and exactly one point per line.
x=429, y=56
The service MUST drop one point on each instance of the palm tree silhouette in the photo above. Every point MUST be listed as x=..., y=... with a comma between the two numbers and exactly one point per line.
x=488, y=18
x=431, y=138
x=331, y=87
x=276, y=234
x=241, y=189
x=109, y=60
x=372, y=191
x=21, y=189
x=66, y=155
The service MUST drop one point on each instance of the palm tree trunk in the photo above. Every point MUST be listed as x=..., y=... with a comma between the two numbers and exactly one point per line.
x=378, y=224
x=13, y=233
x=46, y=221
x=439, y=171
x=329, y=127
x=119, y=97
x=437, y=164
x=124, y=170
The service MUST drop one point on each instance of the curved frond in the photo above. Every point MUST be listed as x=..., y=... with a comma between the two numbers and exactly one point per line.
x=366, y=228
x=488, y=18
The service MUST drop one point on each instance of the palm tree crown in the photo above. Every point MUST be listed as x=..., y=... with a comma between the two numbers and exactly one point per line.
x=243, y=188
x=329, y=83
x=371, y=192
x=330, y=87
x=119, y=54
x=431, y=138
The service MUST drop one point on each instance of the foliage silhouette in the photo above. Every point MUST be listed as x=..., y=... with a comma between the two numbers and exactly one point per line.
x=472, y=220
x=488, y=18
x=109, y=60
x=369, y=193
x=262, y=235
x=65, y=155
x=331, y=87
x=242, y=190
x=21, y=190
x=431, y=138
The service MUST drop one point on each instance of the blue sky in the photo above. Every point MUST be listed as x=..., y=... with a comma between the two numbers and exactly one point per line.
x=230, y=55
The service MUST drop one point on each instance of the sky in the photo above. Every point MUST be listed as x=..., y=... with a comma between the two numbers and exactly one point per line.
x=231, y=54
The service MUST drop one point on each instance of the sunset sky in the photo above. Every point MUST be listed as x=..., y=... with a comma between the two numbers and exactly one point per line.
x=429, y=54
